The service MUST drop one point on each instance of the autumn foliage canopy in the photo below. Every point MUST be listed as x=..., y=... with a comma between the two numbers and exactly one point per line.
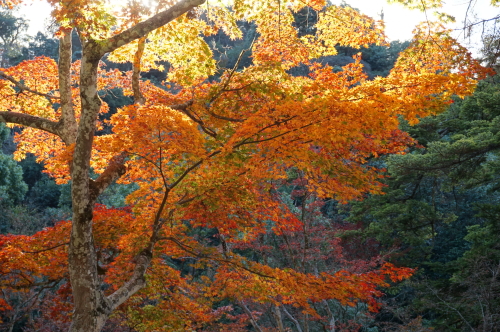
x=206, y=149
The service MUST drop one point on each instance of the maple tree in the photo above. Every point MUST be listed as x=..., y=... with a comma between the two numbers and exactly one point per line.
x=204, y=153
x=311, y=242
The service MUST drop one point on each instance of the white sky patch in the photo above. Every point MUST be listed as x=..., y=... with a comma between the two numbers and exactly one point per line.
x=37, y=13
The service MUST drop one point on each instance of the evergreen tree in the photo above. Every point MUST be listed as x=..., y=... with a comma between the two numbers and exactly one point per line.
x=439, y=208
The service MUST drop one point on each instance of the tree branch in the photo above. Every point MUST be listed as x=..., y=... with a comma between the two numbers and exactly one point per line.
x=138, y=281
x=31, y=121
x=184, y=109
x=136, y=72
x=189, y=169
x=458, y=158
x=68, y=125
x=245, y=141
x=143, y=28
x=221, y=117
x=47, y=249
x=115, y=169
x=183, y=106
x=135, y=283
x=23, y=87
x=228, y=261
x=295, y=321
x=249, y=313
x=468, y=26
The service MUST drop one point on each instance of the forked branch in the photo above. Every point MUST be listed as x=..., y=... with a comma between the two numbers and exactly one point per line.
x=143, y=28
x=115, y=169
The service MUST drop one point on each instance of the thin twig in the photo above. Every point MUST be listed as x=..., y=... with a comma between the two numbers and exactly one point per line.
x=47, y=249
x=23, y=87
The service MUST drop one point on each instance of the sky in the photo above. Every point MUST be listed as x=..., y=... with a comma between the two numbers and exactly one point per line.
x=399, y=20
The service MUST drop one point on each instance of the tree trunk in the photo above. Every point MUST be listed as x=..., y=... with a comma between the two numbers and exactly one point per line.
x=293, y=319
x=250, y=316
x=277, y=317
x=91, y=307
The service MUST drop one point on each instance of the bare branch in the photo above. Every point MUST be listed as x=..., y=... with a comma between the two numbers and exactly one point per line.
x=47, y=249
x=225, y=89
x=30, y=121
x=115, y=169
x=23, y=87
x=249, y=313
x=295, y=321
x=228, y=80
x=184, y=109
x=246, y=141
x=191, y=250
x=138, y=281
x=276, y=313
x=185, y=173
x=468, y=26
x=135, y=283
x=220, y=117
x=435, y=292
x=199, y=121
x=143, y=28
x=183, y=106
x=189, y=169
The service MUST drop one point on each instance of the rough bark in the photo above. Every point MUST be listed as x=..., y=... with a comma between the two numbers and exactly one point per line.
x=66, y=127
x=30, y=121
x=136, y=73
x=135, y=283
x=67, y=122
x=91, y=307
x=115, y=169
